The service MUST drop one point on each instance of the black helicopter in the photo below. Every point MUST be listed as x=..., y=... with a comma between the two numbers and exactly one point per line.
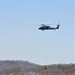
x=46, y=27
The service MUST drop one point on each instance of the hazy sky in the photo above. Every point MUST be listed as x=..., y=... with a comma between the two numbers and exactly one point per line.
x=19, y=35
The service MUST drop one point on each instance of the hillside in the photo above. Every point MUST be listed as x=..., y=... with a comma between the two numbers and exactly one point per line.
x=20, y=65
x=26, y=68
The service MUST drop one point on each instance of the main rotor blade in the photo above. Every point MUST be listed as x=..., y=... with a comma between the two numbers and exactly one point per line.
x=50, y=24
x=41, y=25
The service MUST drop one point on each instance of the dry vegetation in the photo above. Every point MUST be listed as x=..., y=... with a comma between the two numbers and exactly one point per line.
x=26, y=68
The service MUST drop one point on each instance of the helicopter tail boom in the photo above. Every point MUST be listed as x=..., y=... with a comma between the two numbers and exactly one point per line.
x=57, y=27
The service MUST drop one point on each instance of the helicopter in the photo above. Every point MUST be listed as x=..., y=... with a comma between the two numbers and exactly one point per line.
x=46, y=27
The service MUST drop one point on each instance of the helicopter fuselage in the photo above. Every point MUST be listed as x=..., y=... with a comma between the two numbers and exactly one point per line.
x=48, y=28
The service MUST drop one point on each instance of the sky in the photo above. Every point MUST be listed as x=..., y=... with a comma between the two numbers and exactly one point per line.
x=20, y=38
